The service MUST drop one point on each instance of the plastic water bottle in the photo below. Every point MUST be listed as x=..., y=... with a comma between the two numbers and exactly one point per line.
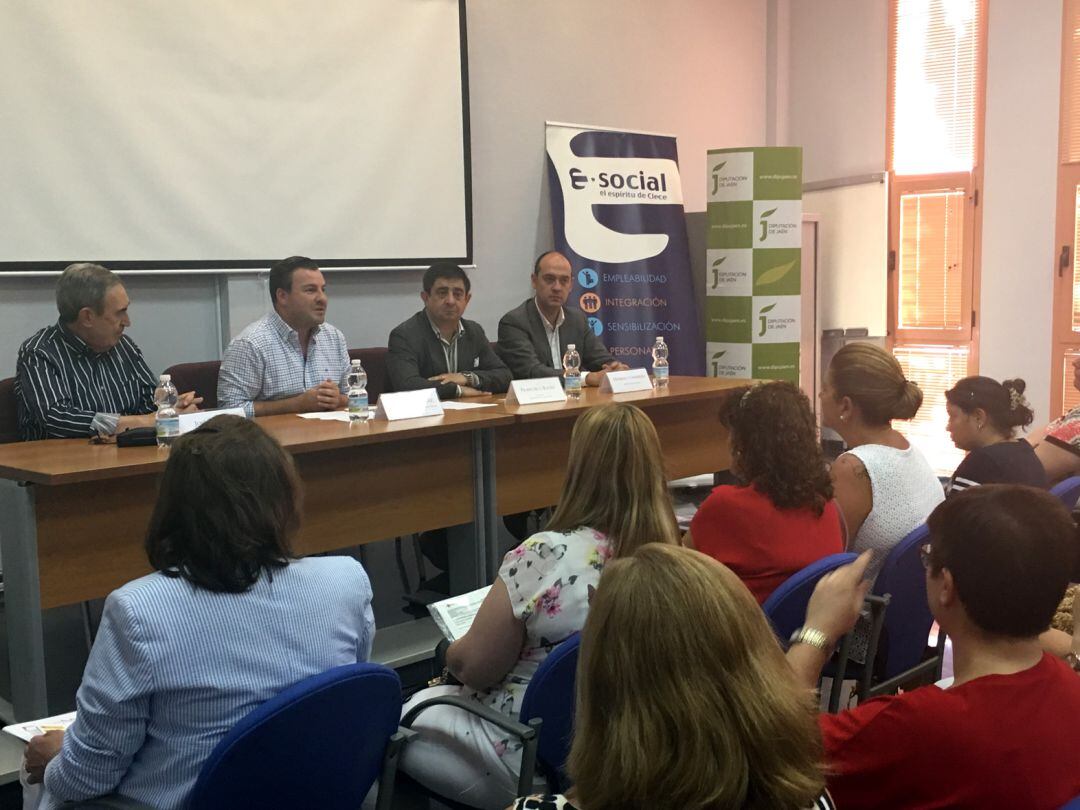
x=571, y=362
x=167, y=420
x=660, y=363
x=357, y=392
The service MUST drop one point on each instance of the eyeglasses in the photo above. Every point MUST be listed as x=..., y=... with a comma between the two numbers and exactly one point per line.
x=924, y=555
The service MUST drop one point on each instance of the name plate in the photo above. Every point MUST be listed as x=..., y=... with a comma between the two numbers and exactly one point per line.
x=190, y=421
x=622, y=382
x=533, y=392
x=408, y=405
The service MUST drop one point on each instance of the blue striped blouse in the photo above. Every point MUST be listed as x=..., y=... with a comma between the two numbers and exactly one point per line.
x=174, y=667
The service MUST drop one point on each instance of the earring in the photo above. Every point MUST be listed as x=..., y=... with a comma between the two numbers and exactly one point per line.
x=843, y=417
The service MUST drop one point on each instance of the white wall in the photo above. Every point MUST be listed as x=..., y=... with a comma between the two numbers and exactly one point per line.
x=837, y=87
x=1020, y=187
x=694, y=68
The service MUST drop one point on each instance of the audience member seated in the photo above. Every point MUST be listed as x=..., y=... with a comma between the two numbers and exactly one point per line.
x=438, y=348
x=781, y=517
x=290, y=360
x=83, y=376
x=983, y=417
x=228, y=620
x=1059, y=448
x=614, y=499
x=883, y=485
x=1005, y=734
x=533, y=337
x=684, y=698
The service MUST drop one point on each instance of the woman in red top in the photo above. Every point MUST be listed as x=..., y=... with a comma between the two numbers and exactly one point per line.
x=783, y=518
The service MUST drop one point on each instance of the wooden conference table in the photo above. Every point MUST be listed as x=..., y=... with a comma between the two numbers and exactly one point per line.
x=73, y=514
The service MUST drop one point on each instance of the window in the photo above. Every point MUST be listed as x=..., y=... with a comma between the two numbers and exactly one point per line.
x=1066, y=343
x=936, y=98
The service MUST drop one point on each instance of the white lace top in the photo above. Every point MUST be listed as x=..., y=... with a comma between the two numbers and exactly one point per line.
x=905, y=492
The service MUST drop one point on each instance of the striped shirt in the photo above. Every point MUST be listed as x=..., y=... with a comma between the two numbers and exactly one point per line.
x=66, y=389
x=265, y=362
x=174, y=667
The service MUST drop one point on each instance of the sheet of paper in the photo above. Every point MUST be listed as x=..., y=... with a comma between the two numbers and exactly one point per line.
x=24, y=731
x=332, y=416
x=454, y=616
x=452, y=405
x=190, y=421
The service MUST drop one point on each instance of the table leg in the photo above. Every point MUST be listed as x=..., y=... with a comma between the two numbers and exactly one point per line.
x=468, y=543
x=490, y=507
x=22, y=603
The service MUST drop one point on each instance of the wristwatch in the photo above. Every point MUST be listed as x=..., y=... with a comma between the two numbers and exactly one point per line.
x=811, y=637
x=472, y=380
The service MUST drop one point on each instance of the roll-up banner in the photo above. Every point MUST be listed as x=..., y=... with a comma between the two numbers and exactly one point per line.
x=752, y=262
x=617, y=215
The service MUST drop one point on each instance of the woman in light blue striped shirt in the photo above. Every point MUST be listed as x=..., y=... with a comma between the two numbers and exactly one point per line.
x=228, y=620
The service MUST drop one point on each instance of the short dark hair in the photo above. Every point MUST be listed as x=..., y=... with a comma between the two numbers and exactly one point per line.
x=541, y=257
x=444, y=270
x=83, y=284
x=228, y=504
x=1003, y=402
x=774, y=445
x=281, y=273
x=1011, y=550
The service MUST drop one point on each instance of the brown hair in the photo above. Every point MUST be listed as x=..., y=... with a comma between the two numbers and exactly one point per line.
x=774, y=445
x=684, y=698
x=871, y=378
x=615, y=480
x=1011, y=550
x=1003, y=402
x=228, y=504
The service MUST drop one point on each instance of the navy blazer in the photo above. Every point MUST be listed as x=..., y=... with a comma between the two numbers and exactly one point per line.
x=414, y=354
x=523, y=342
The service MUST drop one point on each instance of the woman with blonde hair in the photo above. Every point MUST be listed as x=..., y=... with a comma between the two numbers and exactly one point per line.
x=884, y=485
x=614, y=500
x=684, y=698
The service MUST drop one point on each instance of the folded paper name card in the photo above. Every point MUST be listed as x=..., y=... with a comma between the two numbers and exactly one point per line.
x=533, y=392
x=408, y=405
x=622, y=382
x=192, y=421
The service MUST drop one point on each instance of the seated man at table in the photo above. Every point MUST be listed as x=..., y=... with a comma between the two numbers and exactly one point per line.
x=1005, y=733
x=438, y=348
x=290, y=360
x=533, y=337
x=83, y=376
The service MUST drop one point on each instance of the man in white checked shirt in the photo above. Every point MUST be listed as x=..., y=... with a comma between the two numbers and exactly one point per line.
x=290, y=360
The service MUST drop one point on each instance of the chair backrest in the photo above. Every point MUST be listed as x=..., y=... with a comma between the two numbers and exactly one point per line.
x=908, y=619
x=786, y=606
x=198, y=377
x=1067, y=491
x=9, y=412
x=374, y=360
x=550, y=696
x=320, y=743
x=1073, y=805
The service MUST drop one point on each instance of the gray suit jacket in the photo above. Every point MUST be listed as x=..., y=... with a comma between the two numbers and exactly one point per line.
x=414, y=354
x=523, y=343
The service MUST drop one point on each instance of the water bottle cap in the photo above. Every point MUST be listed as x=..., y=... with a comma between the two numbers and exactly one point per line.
x=570, y=346
x=356, y=362
x=165, y=378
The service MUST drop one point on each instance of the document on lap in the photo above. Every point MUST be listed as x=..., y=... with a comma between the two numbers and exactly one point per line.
x=454, y=616
x=26, y=731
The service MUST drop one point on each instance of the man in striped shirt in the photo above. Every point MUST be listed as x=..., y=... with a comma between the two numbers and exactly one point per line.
x=83, y=376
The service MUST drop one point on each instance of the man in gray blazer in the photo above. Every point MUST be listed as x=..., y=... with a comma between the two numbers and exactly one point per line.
x=533, y=337
x=437, y=348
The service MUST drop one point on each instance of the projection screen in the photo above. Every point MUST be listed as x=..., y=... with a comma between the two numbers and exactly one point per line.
x=202, y=134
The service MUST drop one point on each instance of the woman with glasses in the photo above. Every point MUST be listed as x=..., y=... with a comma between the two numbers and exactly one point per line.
x=228, y=619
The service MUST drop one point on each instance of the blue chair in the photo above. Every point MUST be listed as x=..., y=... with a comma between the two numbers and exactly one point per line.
x=786, y=606
x=900, y=657
x=1067, y=491
x=320, y=743
x=551, y=698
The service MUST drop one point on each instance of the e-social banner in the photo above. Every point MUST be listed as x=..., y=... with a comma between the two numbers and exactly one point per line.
x=617, y=213
x=753, y=252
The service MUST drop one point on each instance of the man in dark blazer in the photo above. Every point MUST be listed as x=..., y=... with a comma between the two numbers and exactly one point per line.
x=437, y=348
x=533, y=337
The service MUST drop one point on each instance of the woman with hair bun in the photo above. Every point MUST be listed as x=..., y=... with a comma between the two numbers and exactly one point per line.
x=983, y=417
x=884, y=486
